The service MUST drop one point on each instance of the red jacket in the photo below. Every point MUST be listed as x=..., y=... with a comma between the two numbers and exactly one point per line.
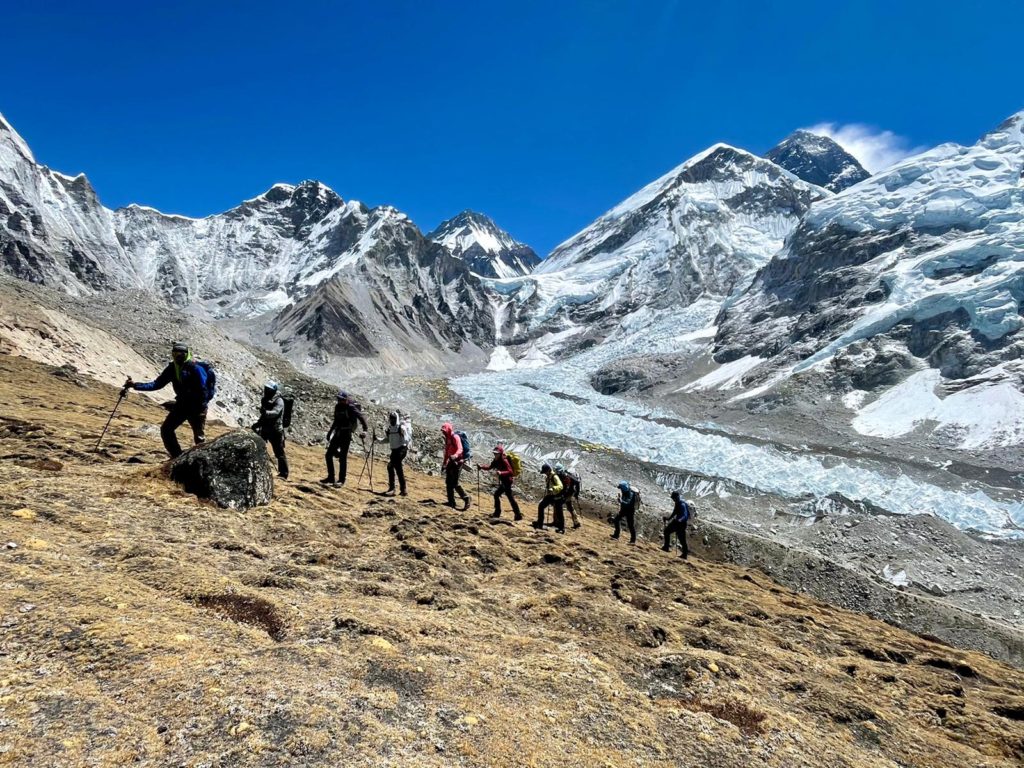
x=452, y=445
x=501, y=463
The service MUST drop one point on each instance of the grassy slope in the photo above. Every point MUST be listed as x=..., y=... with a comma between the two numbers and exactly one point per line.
x=335, y=627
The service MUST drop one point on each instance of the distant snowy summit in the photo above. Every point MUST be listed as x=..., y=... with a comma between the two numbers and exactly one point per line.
x=818, y=160
x=487, y=249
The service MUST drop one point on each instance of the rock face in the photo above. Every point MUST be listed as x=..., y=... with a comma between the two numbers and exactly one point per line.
x=818, y=160
x=234, y=471
x=488, y=250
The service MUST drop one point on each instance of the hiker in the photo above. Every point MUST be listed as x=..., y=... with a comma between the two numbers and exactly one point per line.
x=506, y=474
x=270, y=425
x=339, y=438
x=192, y=385
x=628, y=502
x=552, y=497
x=452, y=465
x=398, y=436
x=677, y=522
x=571, y=484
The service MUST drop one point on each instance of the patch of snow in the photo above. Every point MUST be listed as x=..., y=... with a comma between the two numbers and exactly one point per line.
x=894, y=577
x=987, y=415
x=501, y=360
x=854, y=399
x=726, y=376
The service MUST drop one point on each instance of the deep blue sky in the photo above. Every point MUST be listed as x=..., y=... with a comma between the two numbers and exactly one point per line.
x=542, y=115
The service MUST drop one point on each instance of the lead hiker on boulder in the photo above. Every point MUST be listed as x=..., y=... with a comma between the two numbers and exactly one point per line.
x=451, y=464
x=398, y=436
x=339, y=437
x=271, y=425
x=194, y=385
x=502, y=464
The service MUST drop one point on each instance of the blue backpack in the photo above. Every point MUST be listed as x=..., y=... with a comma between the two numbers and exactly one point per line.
x=211, y=379
x=467, y=452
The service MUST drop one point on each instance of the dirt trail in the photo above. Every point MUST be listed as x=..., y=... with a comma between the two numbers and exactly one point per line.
x=336, y=627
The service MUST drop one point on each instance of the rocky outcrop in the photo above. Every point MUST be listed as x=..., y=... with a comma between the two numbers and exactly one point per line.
x=234, y=471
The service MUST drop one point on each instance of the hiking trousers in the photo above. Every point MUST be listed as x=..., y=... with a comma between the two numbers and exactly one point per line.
x=395, y=468
x=629, y=515
x=276, y=441
x=452, y=472
x=556, y=502
x=572, y=510
x=679, y=529
x=177, y=416
x=505, y=489
x=338, y=446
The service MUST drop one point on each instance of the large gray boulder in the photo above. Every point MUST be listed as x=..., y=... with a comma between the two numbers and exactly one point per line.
x=234, y=471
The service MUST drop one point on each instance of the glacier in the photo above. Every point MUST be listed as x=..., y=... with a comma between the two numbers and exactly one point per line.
x=527, y=396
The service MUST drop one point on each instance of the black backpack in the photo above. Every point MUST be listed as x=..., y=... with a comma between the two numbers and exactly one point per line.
x=289, y=406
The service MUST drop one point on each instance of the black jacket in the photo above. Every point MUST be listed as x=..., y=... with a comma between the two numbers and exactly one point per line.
x=346, y=416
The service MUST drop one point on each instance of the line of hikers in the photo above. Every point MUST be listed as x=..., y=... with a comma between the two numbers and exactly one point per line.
x=194, y=385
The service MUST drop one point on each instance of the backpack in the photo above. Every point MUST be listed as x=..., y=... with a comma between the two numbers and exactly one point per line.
x=211, y=379
x=289, y=405
x=406, y=427
x=515, y=463
x=467, y=452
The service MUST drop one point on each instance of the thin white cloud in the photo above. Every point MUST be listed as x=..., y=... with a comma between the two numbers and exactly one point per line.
x=875, y=149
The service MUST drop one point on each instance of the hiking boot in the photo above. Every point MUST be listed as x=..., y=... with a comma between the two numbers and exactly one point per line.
x=559, y=530
x=497, y=513
x=666, y=549
x=389, y=492
x=518, y=517
x=467, y=501
x=327, y=481
x=576, y=525
x=402, y=492
x=538, y=526
x=451, y=504
x=614, y=536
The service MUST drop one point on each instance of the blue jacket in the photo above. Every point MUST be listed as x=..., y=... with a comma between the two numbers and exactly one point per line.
x=680, y=512
x=187, y=380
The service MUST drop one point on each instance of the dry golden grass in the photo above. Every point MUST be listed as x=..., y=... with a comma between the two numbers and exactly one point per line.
x=334, y=627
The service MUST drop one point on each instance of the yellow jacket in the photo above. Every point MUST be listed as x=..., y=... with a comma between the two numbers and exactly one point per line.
x=554, y=484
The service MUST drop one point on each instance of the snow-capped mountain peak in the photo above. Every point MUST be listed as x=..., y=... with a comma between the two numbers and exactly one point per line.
x=818, y=160
x=489, y=250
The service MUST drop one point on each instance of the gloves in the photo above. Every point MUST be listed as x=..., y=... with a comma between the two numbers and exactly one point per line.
x=128, y=383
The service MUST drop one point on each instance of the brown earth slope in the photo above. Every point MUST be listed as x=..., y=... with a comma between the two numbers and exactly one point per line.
x=334, y=627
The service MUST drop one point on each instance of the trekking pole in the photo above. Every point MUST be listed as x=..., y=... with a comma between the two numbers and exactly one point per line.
x=478, y=486
x=366, y=461
x=124, y=392
x=373, y=445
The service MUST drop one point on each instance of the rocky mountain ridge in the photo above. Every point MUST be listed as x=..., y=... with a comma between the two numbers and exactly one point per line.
x=303, y=268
